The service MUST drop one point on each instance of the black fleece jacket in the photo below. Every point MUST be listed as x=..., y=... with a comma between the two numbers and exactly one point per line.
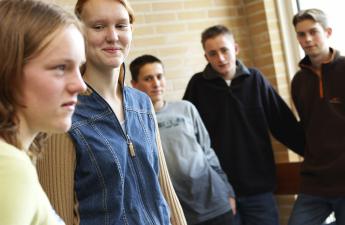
x=239, y=119
x=320, y=102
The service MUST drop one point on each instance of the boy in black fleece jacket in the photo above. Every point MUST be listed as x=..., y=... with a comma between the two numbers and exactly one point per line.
x=318, y=91
x=240, y=108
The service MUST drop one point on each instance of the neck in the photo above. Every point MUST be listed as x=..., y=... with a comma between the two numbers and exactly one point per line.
x=317, y=61
x=25, y=135
x=105, y=82
x=158, y=105
x=230, y=75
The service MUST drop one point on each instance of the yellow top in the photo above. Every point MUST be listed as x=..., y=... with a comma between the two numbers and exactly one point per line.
x=22, y=199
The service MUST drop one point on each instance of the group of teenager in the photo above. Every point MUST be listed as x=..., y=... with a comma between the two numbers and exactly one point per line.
x=116, y=155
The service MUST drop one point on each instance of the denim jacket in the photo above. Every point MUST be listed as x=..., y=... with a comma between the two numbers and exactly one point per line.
x=116, y=177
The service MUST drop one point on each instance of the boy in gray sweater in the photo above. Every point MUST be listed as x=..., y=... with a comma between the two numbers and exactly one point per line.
x=205, y=194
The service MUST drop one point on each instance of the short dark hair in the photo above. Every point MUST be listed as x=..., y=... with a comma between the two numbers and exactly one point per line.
x=316, y=15
x=141, y=61
x=214, y=31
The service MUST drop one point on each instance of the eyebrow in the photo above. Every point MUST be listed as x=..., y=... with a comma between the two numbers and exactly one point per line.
x=211, y=51
x=67, y=60
x=311, y=29
x=105, y=20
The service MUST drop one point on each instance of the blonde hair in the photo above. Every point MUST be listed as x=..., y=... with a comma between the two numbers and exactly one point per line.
x=316, y=15
x=79, y=6
x=27, y=27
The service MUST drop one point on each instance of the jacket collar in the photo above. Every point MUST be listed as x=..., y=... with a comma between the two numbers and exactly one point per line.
x=209, y=73
x=306, y=63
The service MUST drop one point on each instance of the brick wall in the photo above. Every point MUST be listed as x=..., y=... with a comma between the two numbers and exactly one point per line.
x=170, y=29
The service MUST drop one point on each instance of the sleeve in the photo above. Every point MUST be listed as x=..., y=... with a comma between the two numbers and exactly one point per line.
x=204, y=141
x=282, y=122
x=56, y=170
x=177, y=215
x=295, y=98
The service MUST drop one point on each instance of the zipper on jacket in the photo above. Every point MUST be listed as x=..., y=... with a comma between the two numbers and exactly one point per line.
x=319, y=76
x=130, y=146
x=131, y=151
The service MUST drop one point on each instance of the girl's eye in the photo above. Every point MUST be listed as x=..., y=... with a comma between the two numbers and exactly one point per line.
x=61, y=67
x=60, y=70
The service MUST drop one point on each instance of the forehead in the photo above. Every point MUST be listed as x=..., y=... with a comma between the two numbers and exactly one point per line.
x=306, y=25
x=151, y=69
x=72, y=49
x=103, y=10
x=219, y=41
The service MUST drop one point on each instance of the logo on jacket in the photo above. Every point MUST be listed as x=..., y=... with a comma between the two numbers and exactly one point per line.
x=336, y=100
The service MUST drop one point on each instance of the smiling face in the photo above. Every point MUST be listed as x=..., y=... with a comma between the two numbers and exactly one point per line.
x=220, y=52
x=108, y=32
x=51, y=83
x=151, y=81
x=313, y=38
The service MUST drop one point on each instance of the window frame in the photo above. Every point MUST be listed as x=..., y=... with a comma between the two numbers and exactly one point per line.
x=286, y=10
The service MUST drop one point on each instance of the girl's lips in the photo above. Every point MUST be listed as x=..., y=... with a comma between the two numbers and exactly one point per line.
x=69, y=105
x=111, y=50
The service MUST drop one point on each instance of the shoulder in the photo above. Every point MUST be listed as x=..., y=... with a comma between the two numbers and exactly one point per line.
x=187, y=104
x=134, y=92
x=15, y=166
x=18, y=180
x=249, y=73
x=135, y=99
x=186, y=107
x=257, y=78
x=197, y=77
x=14, y=162
x=182, y=104
x=340, y=58
x=255, y=73
x=300, y=77
x=339, y=62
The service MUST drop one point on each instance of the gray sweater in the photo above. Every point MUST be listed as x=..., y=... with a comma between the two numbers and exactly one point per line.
x=199, y=181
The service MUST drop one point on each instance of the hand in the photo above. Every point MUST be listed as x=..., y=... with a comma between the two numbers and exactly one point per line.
x=233, y=205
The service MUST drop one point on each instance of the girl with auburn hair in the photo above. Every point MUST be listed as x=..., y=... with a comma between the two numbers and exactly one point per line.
x=39, y=84
x=110, y=168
